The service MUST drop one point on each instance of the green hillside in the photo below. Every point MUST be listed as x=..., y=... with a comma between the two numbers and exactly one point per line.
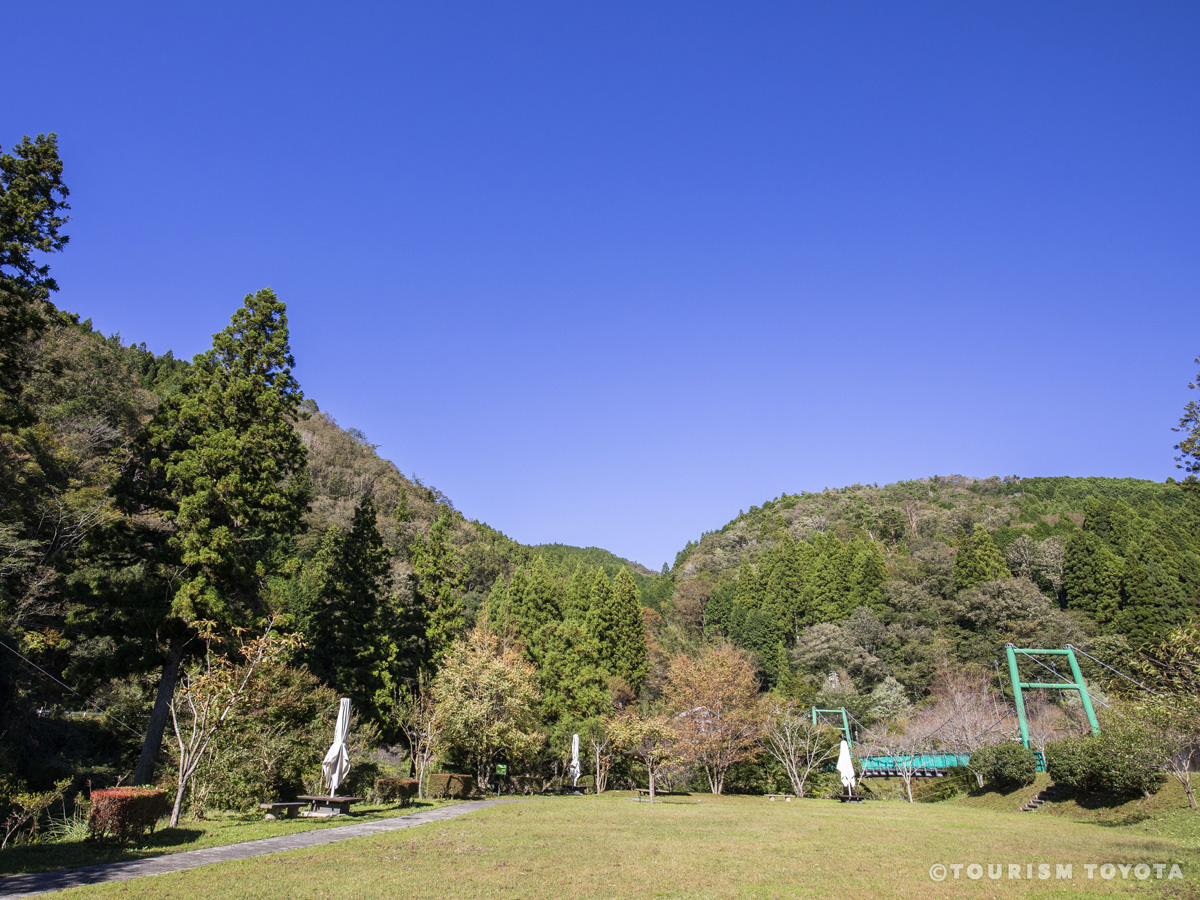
x=895, y=581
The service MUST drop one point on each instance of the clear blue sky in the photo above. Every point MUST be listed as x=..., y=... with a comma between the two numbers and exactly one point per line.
x=606, y=273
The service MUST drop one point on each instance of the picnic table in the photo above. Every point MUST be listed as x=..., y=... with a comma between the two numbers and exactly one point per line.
x=320, y=805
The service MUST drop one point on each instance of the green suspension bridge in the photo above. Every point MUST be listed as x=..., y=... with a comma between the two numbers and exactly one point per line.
x=933, y=764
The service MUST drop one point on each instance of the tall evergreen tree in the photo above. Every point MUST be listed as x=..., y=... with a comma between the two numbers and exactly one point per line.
x=346, y=620
x=785, y=589
x=229, y=472
x=438, y=577
x=827, y=583
x=1152, y=597
x=32, y=203
x=868, y=572
x=625, y=635
x=977, y=560
x=1189, y=446
x=570, y=674
x=533, y=601
x=1092, y=577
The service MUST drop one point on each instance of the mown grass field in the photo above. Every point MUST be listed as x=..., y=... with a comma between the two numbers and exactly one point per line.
x=217, y=831
x=697, y=847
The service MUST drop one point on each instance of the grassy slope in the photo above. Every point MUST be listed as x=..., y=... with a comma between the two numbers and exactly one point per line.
x=217, y=831
x=688, y=847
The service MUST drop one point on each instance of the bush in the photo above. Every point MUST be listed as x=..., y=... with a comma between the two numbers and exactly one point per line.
x=1121, y=762
x=402, y=789
x=271, y=743
x=1071, y=762
x=1005, y=765
x=125, y=812
x=445, y=785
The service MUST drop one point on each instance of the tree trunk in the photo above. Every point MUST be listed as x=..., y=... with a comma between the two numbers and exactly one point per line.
x=144, y=774
x=651, y=772
x=175, y=810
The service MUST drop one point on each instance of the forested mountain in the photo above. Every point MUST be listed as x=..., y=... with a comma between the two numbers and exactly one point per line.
x=90, y=587
x=895, y=581
x=156, y=514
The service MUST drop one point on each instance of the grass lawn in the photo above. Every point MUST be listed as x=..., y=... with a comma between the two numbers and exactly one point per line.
x=696, y=847
x=212, y=832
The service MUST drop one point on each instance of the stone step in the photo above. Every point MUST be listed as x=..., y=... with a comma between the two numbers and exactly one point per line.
x=1047, y=794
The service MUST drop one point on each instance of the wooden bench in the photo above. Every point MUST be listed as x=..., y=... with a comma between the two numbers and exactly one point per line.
x=323, y=805
x=786, y=797
x=281, y=810
x=645, y=792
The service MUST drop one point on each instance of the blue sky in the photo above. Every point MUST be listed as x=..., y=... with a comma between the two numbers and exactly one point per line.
x=606, y=273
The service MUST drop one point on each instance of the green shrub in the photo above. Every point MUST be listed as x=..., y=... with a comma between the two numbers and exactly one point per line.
x=1128, y=762
x=446, y=785
x=125, y=812
x=402, y=789
x=271, y=747
x=1005, y=765
x=1121, y=761
x=1072, y=762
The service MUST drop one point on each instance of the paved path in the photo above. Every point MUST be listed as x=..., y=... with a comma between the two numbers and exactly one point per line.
x=15, y=886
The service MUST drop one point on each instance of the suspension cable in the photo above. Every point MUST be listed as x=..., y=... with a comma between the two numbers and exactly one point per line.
x=1111, y=669
x=1065, y=681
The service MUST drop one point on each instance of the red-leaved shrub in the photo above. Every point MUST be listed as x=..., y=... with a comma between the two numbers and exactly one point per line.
x=125, y=812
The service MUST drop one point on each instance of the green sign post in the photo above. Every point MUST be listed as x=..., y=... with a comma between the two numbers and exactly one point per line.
x=1018, y=686
x=501, y=770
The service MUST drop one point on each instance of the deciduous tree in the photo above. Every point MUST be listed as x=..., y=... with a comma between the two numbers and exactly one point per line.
x=800, y=745
x=646, y=736
x=713, y=697
x=210, y=691
x=486, y=696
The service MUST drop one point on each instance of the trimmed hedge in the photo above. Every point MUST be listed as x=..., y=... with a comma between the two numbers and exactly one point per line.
x=402, y=789
x=1005, y=765
x=444, y=785
x=125, y=812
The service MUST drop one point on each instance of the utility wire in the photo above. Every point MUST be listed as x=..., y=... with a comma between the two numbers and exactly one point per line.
x=63, y=684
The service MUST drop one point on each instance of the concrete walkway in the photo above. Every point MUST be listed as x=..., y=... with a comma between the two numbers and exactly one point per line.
x=15, y=886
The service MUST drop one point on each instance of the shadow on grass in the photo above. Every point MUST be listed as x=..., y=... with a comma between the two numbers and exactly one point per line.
x=1112, y=810
x=73, y=854
x=220, y=830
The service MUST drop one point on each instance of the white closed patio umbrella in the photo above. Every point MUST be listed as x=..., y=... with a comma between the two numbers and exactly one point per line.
x=845, y=767
x=575, y=770
x=336, y=765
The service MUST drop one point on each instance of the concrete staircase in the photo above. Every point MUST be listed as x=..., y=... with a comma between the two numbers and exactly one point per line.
x=1046, y=795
